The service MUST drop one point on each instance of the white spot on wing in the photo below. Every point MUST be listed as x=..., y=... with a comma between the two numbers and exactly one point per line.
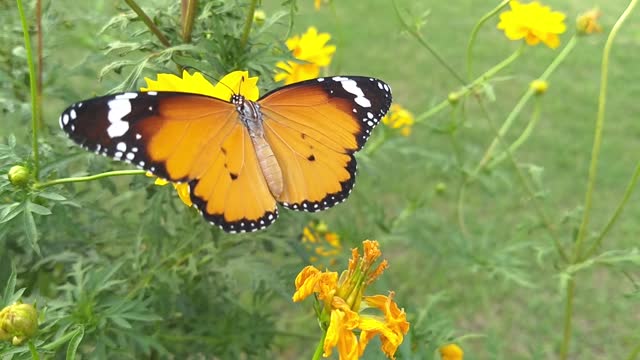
x=65, y=119
x=118, y=108
x=73, y=114
x=351, y=87
x=121, y=146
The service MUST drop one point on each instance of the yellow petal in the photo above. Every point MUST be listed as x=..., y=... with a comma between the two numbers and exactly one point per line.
x=183, y=193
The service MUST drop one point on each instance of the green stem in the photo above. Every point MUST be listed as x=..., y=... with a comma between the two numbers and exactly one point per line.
x=474, y=33
x=634, y=353
x=468, y=88
x=188, y=15
x=39, y=55
x=521, y=139
x=568, y=312
x=597, y=139
x=426, y=45
x=35, y=110
x=522, y=102
x=147, y=20
x=320, y=347
x=247, y=24
x=625, y=198
x=89, y=178
x=33, y=350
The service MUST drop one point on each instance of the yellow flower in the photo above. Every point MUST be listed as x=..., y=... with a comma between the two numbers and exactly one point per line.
x=539, y=87
x=316, y=4
x=532, y=22
x=399, y=119
x=320, y=241
x=587, y=22
x=451, y=352
x=313, y=52
x=237, y=82
x=344, y=305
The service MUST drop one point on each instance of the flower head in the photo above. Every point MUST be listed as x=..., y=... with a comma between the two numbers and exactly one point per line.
x=399, y=119
x=18, y=175
x=587, y=22
x=539, y=87
x=532, y=22
x=451, y=352
x=345, y=304
x=237, y=82
x=313, y=52
x=321, y=243
x=18, y=322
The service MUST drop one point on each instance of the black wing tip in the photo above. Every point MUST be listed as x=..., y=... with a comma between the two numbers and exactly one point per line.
x=332, y=199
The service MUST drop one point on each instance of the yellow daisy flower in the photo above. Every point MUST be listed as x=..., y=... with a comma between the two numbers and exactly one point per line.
x=399, y=118
x=195, y=83
x=532, y=22
x=313, y=52
x=344, y=304
x=587, y=22
x=451, y=352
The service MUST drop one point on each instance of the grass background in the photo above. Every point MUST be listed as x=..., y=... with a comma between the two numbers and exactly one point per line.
x=500, y=281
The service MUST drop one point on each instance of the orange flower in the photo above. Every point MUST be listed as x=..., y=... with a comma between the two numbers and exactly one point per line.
x=532, y=22
x=344, y=303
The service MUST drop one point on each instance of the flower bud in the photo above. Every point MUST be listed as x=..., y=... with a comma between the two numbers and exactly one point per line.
x=453, y=98
x=441, y=188
x=18, y=175
x=587, y=22
x=539, y=87
x=18, y=322
x=259, y=16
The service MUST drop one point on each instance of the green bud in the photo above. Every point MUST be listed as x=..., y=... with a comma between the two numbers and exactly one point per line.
x=18, y=175
x=441, y=188
x=18, y=322
x=259, y=16
x=453, y=98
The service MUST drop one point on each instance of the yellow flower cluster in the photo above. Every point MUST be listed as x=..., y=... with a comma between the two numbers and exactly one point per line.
x=399, y=119
x=345, y=302
x=313, y=53
x=321, y=242
x=532, y=22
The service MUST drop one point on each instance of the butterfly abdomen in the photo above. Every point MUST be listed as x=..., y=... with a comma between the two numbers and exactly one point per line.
x=269, y=165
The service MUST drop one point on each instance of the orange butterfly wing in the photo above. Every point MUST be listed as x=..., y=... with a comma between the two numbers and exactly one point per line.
x=183, y=138
x=314, y=128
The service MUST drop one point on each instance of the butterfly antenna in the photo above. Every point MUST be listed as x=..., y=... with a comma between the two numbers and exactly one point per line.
x=210, y=77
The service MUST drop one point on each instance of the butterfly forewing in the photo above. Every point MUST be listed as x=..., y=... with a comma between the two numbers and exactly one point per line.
x=314, y=127
x=181, y=137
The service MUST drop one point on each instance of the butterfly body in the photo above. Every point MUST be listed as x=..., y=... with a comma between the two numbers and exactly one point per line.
x=241, y=158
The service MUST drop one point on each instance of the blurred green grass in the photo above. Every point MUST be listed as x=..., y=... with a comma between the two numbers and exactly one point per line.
x=427, y=253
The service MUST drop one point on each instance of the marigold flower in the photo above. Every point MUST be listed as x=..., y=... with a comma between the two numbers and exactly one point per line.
x=344, y=304
x=587, y=22
x=451, y=352
x=399, y=119
x=196, y=83
x=532, y=22
x=18, y=322
x=312, y=50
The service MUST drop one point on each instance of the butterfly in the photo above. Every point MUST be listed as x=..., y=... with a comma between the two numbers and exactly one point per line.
x=294, y=146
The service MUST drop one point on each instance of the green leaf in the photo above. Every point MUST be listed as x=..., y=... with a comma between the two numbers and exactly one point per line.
x=52, y=196
x=10, y=211
x=121, y=322
x=10, y=287
x=74, y=343
x=38, y=209
x=30, y=230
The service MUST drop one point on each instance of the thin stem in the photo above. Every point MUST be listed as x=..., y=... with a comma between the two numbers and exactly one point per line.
x=35, y=110
x=625, y=198
x=89, y=178
x=468, y=88
x=521, y=139
x=320, y=347
x=597, y=140
x=474, y=33
x=188, y=15
x=523, y=101
x=568, y=312
x=147, y=20
x=39, y=37
x=33, y=350
x=426, y=45
x=247, y=24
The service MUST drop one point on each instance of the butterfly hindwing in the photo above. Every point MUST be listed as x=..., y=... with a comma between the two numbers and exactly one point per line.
x=314, y=127
x=182, y=138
